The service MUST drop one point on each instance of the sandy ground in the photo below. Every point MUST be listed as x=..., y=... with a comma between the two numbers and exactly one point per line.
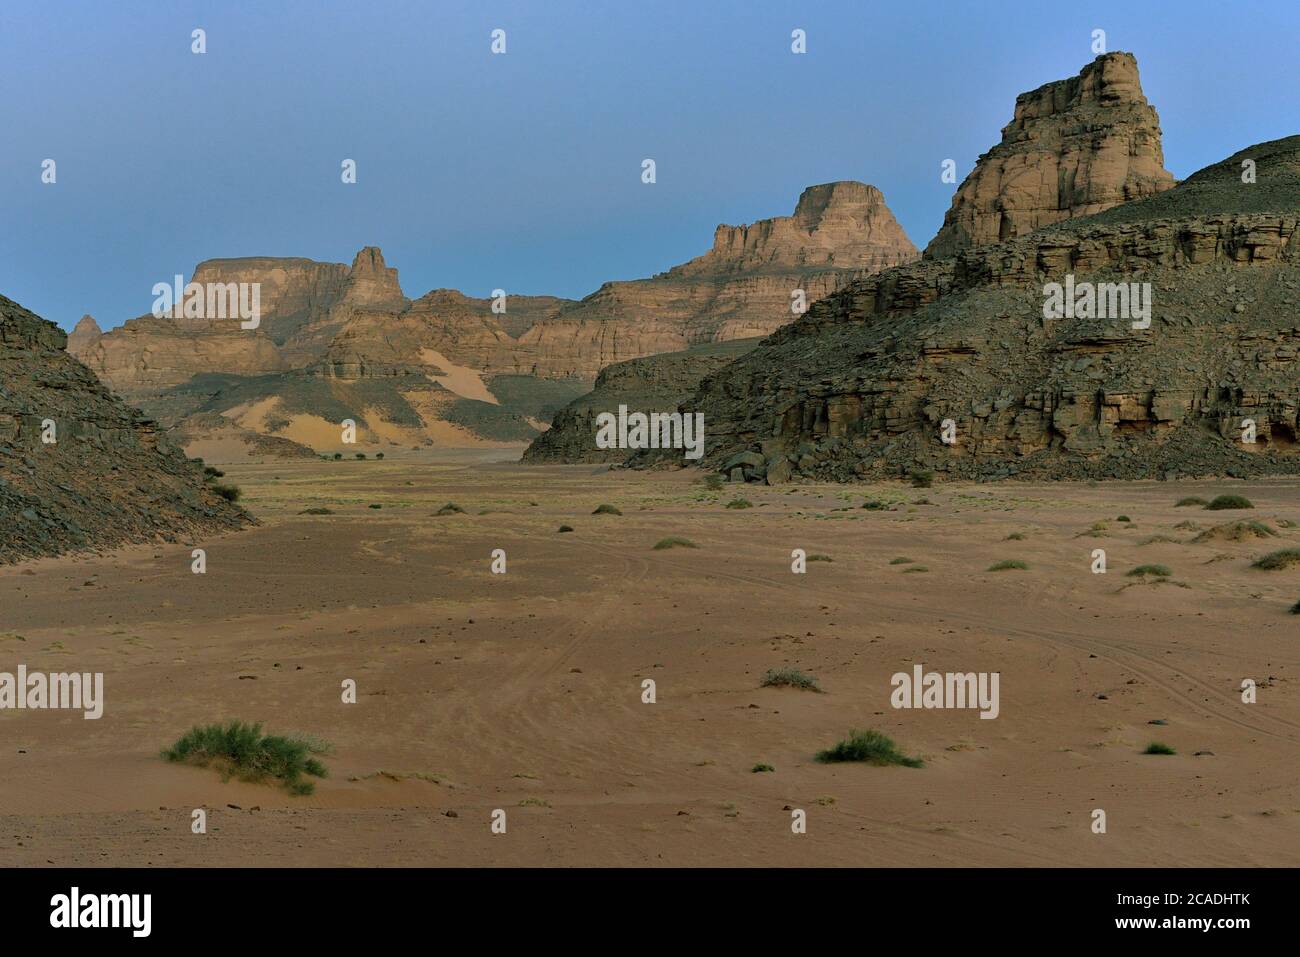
x=523, y=691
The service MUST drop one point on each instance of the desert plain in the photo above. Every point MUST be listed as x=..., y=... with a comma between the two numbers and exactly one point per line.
x=523, y=691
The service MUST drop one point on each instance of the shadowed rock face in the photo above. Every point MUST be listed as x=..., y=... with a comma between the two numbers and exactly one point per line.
x=108, y=478
x=652, y=384
x=860, y=386
x=1074, y=147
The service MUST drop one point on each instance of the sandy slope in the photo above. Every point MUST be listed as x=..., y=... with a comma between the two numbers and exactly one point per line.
x=480, y=691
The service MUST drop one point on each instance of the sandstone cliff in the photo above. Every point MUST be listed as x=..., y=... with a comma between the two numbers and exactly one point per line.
x=1073, y=148
x=743, y=286
x=107, y=478
x=861, y=385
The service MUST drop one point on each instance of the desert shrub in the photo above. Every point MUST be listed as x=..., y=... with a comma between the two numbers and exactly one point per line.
x=901, y=561
x=565, y=528
x=820, y=558
x=1221, y=502
x=374, y=505
x=1155, y=747
x=317, y=510
x=674, y=541
x=915, y=568
x=921, y=478
x=1273, y=561
x=451, y=508
x=238, y=749
x=1236, y=532
x=379, y=455
x=210, y=473
x=1190, y=500
x=713, y=482
x=1123, y=518
x=231, y=493
x=606, y=510
x=869, y=746
x=760, y=768
x=337, y=456
x=874, y=505
x=1015, y=537
x=789, y=678
x=1008, y=564
x=1295, y=609
x=361, y=455
x=740, y=503
x=1158, y=571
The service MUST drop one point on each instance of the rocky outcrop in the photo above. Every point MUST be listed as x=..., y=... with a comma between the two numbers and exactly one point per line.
x=1073, y=148
x=653, y=384
x=80, y=469
x=83, y=334
x=293, y=292
x=863, y=385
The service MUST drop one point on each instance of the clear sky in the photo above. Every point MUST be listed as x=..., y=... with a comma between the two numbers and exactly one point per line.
x=523, y=171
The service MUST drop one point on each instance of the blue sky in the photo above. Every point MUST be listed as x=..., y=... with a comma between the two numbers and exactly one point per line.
x=522, y=171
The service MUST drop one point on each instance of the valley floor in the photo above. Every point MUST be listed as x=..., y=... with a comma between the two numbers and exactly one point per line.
x=523, y=691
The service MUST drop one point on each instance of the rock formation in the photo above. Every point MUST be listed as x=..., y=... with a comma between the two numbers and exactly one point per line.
x=78, y=468
x=743, y=286
x=83, y=334
x=1073, y=148
x=652, y=384
x=344, y=342
x=862, y=386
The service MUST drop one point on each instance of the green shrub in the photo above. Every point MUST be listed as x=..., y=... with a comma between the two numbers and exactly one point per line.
x=915, y=568
x=901, y=561
x=451, y=508
x=1190, y=500
x=874, y=505
x=1008, y=564
x=789, y=678
x=210, y=473
x=740, y=503
x=1222, y=502
x=760, y=768
x=606, y=510
x=1295, y=609
x=361, y=455
x=231, y=493
x=1155, y=747
x=241, y=750
x=820, y=558
x=713, y=482
x=921, y=478
x=379, y=455
x=869, y=746
x=337, y=456
x=374, y=505
x=565, y=528
x=1123, y=518
x=317, y=510
x=1283, y=558
x=1158, y=571
x=1015, y=537
x=674, y=541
